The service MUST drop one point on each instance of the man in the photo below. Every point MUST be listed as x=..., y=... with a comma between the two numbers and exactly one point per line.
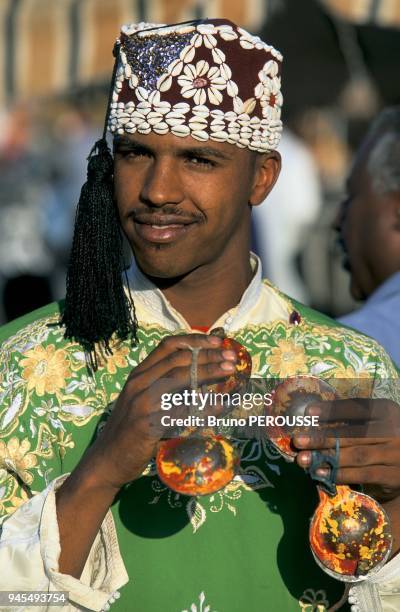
x=195, y=110
x=369, y=225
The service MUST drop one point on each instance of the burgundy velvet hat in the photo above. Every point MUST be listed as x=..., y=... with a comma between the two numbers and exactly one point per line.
x=209, y=80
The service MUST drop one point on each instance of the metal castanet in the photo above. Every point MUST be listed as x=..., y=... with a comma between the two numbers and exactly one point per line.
x=350, y=535
x=201, y=463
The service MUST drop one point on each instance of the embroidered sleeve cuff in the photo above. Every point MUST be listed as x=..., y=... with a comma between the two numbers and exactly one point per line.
x=104, y=572
x=30, y=549
x=380, y=593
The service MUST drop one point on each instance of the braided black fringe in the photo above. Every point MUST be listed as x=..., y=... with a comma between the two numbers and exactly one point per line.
x=96, y=305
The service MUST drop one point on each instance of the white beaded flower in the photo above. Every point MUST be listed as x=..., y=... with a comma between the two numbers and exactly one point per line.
x=231, y=87
x=198, y=81
x=187, y=54
x=205, y=36
x=271, y=99
x=227, y=32
x=270, y=69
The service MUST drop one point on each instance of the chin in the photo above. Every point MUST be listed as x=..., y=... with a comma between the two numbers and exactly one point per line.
x=158, y=266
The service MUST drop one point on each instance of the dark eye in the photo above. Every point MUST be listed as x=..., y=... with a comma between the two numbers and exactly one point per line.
x=201, y=161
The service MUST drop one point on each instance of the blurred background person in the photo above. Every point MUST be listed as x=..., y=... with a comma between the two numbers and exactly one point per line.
x=281, y=225
x=25, y=261
x=72, y=138
x=369, y=228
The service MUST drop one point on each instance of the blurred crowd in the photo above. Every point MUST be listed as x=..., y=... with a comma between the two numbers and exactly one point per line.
x=43, y=165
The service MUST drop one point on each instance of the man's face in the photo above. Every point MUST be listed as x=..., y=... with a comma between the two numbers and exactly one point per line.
x=183, y=203
x=367, y=232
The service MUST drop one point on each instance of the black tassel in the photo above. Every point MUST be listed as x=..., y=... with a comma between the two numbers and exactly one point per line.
x=96, y=305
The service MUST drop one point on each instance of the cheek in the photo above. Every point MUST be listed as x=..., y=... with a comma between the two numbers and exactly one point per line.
x=224, y=215
x=224, y=199
x=125, y=192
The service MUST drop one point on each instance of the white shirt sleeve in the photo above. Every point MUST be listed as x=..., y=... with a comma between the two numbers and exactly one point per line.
x=30, y=549
x=381, y=592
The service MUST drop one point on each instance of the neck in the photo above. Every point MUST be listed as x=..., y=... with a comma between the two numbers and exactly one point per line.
x=205, y=294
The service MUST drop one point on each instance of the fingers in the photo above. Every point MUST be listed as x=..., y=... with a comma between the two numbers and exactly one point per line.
x=384, y=476
x=375, y=464
x=357, y=417
x=177, y=378
x=173, y=344
x=173, y=373
x=182, y=359
x=360, y=456
x=319, y=441
x=368, y=430
x=377, y=454
x=174, y=359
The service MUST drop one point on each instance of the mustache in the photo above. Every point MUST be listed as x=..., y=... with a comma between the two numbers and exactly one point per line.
x=168, y=210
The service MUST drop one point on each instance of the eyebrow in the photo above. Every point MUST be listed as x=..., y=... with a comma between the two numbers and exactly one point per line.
x=123, y=141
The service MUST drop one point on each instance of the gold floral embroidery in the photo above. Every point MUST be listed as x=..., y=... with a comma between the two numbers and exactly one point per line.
x=117, y=360
x=45, y=369
x=287, y=359
x=15, y=457
x=11, y=498
x=349, y=383
x=64, y=441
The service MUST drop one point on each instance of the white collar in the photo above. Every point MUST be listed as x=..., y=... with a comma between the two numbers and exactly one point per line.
x=152, y=305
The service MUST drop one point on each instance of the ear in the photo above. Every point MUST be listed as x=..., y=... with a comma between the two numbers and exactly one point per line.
x=267, y=169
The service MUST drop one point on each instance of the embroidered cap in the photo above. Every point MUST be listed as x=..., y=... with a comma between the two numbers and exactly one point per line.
x=209, y=80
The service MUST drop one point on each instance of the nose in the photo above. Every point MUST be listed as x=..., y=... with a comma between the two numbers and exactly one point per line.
x=162, y=184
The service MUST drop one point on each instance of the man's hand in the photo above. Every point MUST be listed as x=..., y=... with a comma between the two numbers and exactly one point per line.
x=129, y=439
x=369, y=435
x=372, y=461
